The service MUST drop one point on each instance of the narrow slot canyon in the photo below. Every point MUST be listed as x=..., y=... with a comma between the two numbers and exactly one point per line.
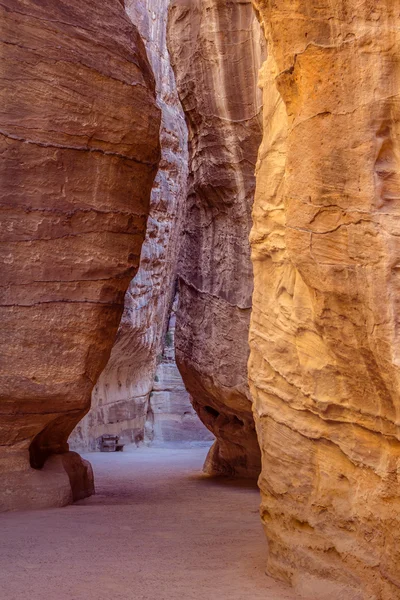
x=199, y=378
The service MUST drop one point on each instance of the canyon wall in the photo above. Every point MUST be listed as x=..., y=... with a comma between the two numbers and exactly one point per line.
x=324, y=364
x=121, y=395
x=80, y=147
x=216, y=50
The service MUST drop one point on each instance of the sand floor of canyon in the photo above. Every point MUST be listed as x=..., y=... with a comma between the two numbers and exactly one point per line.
x=157, y=529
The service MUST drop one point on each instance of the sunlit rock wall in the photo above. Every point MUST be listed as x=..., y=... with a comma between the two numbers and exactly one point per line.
x=216, y=50
x=79, y=139
x=120, y=397
x=324, y=364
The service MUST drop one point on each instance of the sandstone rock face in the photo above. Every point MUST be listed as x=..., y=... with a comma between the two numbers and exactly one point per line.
x=171, y=417
x=216, y=49
x=324, y=365
x=120, y=397
x=79, y=136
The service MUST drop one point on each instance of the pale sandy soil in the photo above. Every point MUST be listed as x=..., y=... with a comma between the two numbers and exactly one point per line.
x=156, y=530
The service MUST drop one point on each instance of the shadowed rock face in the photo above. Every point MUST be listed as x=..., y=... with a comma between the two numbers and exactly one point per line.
x=324, y=364
x=79, y=151
x=216, y=49
x=120, y=398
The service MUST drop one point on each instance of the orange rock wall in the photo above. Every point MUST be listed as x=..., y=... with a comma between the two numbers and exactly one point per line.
x=79, y=152
x=324, y=364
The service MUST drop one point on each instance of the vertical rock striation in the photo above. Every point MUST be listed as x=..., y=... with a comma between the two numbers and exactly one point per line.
x=324, y=365
x=120, y=397
x=79, y=151
x=216, y=50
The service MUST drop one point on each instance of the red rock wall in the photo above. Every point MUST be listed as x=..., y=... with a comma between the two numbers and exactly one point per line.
x=216, y=49
x=324, y=366
x=79, y=151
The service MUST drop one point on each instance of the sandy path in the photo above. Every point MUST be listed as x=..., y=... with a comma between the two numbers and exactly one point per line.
x=156, y=530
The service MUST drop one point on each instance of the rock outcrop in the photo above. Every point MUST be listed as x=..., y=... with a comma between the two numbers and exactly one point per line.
x=216, y=50
x=120, y=397
x=324, y=364
x=79, y=151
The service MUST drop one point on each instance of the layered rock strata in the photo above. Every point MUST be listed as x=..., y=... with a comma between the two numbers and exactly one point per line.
x=216, y=50
x=120, y=397
x=324, y=365
x=80, y=147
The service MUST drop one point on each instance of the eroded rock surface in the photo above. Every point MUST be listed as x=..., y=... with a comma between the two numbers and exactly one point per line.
x=324, y=364
x=216, y=49
x=79, y=151
x=120, y=397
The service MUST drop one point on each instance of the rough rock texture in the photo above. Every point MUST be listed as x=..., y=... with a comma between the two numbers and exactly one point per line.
x=79, y=150
x=120, y=397
x=171, y=417
x=216, y=49
x=324, y=364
